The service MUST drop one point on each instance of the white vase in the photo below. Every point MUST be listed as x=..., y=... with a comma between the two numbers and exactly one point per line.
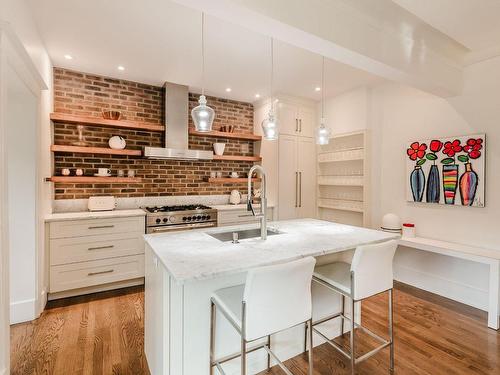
x=219, y=148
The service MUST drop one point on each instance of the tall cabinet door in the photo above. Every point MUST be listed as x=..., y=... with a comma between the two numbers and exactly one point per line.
x=287, y=116
x=307, y=122
x=306, y=165
x=288, y=178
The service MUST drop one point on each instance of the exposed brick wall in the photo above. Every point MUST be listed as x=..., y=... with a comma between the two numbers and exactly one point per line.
x=87, y=94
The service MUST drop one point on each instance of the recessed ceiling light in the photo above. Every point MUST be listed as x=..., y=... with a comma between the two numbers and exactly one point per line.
x=257, y=96
x=120, y=67
x=317, y=89
x=68, y=57
x=228, y=89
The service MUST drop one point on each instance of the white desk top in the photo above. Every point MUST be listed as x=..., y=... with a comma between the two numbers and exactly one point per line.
x=194, y=255
x=444, y=247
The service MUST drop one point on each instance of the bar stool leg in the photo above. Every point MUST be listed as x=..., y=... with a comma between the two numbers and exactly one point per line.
x=243, y=341
x=268, y=355
x=353, y=356
x=310, y=344
x=343, y=313
x=391, y=329
x=212, y=336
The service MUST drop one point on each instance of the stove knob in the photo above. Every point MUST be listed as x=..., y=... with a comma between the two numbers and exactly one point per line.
x=184, y=218
x=208, y=217
x=189, y=218
x=199, y=217
x=158, y=221
x=203, y=217
x=165, y=220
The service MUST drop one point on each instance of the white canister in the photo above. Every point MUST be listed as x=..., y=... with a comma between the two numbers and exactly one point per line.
x=408, y=230
x=219, y=148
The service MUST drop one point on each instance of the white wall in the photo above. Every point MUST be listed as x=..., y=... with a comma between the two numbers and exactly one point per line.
x=347, y=112
x=397, y=114
x=15, y=15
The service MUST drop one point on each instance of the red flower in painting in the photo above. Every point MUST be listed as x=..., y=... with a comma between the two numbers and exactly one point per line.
x=416, y=150
x=451, y=148
x=473, y=147
x=435, y=145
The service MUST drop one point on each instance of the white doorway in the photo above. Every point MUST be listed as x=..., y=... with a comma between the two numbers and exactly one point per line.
x=20, y=250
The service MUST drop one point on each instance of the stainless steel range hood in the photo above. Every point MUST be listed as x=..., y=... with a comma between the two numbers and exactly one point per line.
x=176, y=128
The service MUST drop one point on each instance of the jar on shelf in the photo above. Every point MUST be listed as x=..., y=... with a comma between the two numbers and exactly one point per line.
x=408, y=230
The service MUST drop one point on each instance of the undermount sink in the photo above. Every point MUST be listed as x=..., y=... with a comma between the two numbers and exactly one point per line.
x=242, y=234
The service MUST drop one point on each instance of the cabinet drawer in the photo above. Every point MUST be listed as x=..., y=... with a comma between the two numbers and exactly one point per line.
x=240, y=217
x=97, y=272
x=92, y=227
x=83, y=249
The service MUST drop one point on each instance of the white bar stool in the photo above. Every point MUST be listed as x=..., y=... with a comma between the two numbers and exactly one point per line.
x=274, y=298
x=369, y=274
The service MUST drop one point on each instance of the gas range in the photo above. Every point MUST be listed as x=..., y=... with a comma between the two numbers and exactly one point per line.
x=181, y=217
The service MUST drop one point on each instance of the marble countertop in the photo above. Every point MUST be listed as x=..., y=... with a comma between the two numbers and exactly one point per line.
x=82, y=215
x=195, y=255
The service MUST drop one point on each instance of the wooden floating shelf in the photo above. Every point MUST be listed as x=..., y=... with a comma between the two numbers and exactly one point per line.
x=230, y=180
x=93, y=180
x=96, y=121
x=250, y=137
x=94, y=150
x=237, y=158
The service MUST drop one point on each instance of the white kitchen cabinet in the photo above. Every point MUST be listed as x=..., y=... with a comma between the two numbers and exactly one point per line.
x=295, y=119
x=91, y=255
x=297, y=177
x=240, y=216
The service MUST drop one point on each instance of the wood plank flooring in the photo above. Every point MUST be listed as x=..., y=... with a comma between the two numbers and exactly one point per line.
x=103, y=334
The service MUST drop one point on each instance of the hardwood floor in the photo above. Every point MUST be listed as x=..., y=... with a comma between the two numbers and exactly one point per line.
x=96, y=334
x=103, y=334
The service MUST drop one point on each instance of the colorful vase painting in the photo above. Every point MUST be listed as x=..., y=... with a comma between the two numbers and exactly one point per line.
x=433, y=185
x=448, y=171
x=417, y=183
x=468, y=185
x=450, y=181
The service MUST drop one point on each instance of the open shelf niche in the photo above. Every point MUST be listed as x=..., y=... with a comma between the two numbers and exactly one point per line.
x=343, y=182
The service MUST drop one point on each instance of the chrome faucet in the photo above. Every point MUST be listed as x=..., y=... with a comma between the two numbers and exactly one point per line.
x=263, y=200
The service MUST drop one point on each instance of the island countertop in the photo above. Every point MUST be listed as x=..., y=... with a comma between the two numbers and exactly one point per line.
x=195, y=255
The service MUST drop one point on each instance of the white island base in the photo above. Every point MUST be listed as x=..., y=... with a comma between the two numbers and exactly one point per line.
x=178, y=290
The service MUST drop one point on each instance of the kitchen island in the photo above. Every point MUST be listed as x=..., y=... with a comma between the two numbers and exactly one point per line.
x=184, y=268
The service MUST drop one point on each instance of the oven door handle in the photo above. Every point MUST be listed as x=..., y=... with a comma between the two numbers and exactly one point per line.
x=181, y=227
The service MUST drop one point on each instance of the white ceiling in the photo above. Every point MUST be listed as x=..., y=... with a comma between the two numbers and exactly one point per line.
x=473, y=23
x=158, y=40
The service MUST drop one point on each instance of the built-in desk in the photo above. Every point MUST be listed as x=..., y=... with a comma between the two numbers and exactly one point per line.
x=476, y=254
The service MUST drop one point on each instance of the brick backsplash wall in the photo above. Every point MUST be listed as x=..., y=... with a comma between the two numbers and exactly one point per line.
x=87, y=94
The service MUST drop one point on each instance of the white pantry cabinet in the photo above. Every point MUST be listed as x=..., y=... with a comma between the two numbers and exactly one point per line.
x=297, y=177
x=295, y=119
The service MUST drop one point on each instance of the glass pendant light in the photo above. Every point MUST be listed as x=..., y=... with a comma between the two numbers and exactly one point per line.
x=322, y=132
x=203, y=115
x=270, y=128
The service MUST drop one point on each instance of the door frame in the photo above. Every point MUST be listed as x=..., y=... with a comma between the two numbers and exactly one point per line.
x=14, y=55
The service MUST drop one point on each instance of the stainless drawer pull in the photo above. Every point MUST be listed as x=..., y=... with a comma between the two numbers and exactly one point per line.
x=102, y=227
x=101, y=247
x=99, y=273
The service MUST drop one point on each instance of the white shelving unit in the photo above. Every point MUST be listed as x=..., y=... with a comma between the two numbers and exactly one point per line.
x=343, y=179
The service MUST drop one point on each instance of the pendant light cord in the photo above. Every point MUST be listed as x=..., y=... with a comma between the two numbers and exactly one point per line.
x=272, y=74
x=322, y=89
x=202, y=53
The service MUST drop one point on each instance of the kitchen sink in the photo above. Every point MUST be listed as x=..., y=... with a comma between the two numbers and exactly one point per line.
x=242, y=234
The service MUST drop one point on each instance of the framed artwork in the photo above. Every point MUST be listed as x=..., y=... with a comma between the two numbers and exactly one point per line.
x=447, y=171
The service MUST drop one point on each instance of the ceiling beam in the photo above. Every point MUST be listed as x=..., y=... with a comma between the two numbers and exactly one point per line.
x=375, y=36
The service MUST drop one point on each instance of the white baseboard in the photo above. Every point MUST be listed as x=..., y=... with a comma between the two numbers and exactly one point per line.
x=22, y=311
x=452, y=289
x=3, y=372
